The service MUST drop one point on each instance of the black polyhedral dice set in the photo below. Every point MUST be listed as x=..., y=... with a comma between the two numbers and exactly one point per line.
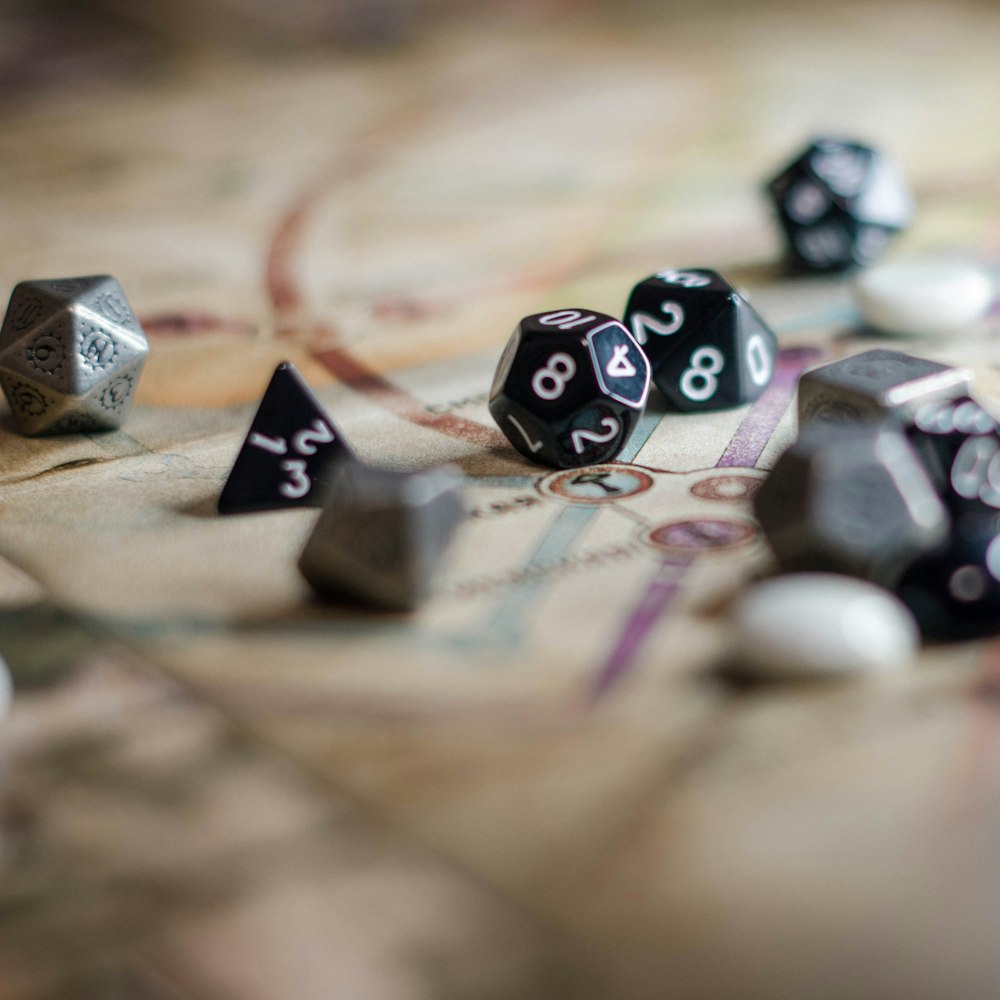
x=569, y=389
x=894, y=478
x=562, y=403
x=571, y=384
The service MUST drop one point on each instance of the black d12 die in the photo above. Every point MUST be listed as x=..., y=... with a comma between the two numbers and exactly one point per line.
x=570, y=387
x=838, y=204
x=707, y=347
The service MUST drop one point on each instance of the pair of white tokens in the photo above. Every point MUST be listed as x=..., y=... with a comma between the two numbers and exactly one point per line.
x=924, y=297
x=821, y=625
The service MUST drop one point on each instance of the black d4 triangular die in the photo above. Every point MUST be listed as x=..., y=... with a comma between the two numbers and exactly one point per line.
x=289, y=453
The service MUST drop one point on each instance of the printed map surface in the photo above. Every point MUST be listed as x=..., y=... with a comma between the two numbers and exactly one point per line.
x=543, y=783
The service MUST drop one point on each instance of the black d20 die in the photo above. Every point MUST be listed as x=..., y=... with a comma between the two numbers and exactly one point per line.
x=838, y=204
x=708, y=348
x=570, y=388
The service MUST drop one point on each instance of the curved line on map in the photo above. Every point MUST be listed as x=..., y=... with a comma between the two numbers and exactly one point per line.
x=185, y=323
x=287, y=301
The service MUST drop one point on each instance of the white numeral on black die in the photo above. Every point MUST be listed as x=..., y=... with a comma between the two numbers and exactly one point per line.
x=300, y=483
x=565, y=319
x=643, y=324
x=581, y=438
x=550, y=382
x=759, y=360
x=533, y=445
x=699, y=382
x=619, y=366
x=684, y=278
x=976, y=470
x=305, y=441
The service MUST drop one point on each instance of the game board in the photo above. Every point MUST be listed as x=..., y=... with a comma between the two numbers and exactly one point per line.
x=543, y=783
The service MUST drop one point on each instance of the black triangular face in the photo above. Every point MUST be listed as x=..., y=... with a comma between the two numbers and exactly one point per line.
x=289, y=453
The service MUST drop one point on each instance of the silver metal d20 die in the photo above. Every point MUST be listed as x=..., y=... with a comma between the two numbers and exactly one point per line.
x=71, y=352
x=874, y=384
x=851, y=499
x=381, y=535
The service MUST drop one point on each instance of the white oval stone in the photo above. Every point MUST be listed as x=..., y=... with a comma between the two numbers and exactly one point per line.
x=822, y=625
x=924, y=297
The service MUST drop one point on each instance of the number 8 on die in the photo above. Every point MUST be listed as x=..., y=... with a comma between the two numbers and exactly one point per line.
x=707, y=347
x=570, y=387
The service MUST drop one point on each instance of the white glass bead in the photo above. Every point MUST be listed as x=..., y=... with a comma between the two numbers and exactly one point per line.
x=821, y=625
x=924, y=297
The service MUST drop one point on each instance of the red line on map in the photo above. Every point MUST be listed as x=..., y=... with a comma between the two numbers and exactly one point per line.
x=288, y=302
x=185, y=323
x=379, y=389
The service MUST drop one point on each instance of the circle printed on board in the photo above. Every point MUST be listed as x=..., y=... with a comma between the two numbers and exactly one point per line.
x=700, y=535
x=596, y=483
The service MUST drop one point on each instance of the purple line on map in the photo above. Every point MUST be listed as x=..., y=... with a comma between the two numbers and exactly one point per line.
x=758, y=425
x=658, y=596
x=743, y=451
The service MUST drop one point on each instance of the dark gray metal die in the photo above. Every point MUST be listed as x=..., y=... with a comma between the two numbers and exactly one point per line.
x=382, y=534
x=71, y=351
x=873, y=385
x=851, y=499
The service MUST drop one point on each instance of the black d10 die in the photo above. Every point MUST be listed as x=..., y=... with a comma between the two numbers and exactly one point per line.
x=707, y=347
x=570, y=387
x=838, y=204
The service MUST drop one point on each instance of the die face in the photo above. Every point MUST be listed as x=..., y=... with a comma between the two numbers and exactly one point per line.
x=954, y=593
x=757, y=350
x=673, y=304
x=728, y=363
x=569, y=388
x=77, y=343
x=707, y=347
x=941, y=430
x=34, y=408
x=850, y=500
x=29, y=307
x=289, y=454
x=621, y=368
x=381, y=535
x=839, y=203
x=871, y=385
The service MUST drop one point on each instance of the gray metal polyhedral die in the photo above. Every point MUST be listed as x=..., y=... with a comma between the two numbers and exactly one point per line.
x=382, y=534
x=71, y=351
x=851, y=499
x=875, y=384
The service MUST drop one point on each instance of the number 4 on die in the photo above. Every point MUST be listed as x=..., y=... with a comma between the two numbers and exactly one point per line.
x=290, y=451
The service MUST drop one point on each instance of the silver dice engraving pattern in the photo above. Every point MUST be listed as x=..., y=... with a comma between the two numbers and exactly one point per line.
x=71, y=351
